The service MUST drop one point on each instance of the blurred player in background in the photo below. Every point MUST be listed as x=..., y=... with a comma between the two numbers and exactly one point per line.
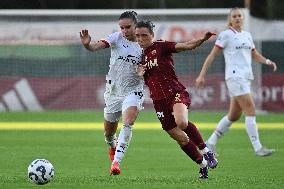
x=238, y=49
x=171, y=100
x=124, y=88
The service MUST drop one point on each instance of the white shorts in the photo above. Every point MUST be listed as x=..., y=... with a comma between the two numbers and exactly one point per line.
x=115, y=103
x=238, y=86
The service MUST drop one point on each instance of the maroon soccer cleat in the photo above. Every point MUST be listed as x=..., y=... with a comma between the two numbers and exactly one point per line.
x=114, y=170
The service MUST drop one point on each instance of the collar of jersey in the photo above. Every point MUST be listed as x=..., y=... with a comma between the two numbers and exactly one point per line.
x=235, y=31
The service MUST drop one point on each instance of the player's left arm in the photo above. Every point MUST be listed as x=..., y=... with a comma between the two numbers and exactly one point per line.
x=192, y=44
x=261, y=59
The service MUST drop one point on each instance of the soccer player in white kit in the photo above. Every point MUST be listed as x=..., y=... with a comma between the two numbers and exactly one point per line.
x=124, y=88
x=238, y=49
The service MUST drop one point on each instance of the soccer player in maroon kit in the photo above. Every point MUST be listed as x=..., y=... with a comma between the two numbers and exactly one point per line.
x=171, y=100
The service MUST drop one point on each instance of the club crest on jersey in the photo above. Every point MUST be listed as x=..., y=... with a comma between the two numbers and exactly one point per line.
x=153, y=52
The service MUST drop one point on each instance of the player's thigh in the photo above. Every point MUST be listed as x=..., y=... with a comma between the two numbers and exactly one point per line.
x=235, y=110
x=131, y=106
x=181, y=102
x=113, y=104
x=247, y=104
x=180, y=113
x=178, y=135
x=133, y=99
x=238, y=86
x=164, y=111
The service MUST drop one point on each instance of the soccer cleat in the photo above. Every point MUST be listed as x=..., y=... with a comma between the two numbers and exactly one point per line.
x=264, y=152
x=114, y=170
x=212, y=148
x=212, y=162
x=111, y=153
x=203, y=173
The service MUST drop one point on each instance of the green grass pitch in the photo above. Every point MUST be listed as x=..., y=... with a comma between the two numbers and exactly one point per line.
x=153, y=160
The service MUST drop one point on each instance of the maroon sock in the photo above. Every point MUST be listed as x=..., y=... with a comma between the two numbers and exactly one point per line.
x=191, y=150
x=193, y=133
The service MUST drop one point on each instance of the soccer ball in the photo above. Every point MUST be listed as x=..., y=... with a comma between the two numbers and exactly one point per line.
x=40, y=171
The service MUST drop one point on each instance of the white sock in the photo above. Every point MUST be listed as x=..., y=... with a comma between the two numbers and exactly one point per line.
x=251, y=127
x=111, y=141
x=222, y=127
x=203, y=163
x=124, y=139
x=204, y=150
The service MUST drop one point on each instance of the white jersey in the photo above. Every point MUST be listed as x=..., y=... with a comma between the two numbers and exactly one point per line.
x=237, y=47
x=125, y=55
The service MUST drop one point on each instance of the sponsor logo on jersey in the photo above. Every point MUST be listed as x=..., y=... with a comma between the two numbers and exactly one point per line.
x=243, y=46
x=151, y=63
x=177, y=97
x=160, y=115
x=129, y=58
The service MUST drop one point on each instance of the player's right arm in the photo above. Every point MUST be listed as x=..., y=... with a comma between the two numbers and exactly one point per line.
x=86, y=41
x=200, y=80
x=192, y=44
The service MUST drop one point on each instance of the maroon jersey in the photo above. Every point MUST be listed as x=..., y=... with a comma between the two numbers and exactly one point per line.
x=160, y=74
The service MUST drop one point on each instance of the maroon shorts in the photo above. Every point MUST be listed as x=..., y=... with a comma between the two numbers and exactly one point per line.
x=164, y=108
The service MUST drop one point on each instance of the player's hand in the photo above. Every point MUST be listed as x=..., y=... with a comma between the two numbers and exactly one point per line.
x=199, y=82
x=140, y=69
x=208, y=35
x=85, y=37
x=274, y=66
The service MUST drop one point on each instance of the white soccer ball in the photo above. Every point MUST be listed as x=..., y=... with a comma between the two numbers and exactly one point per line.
x=40, y=171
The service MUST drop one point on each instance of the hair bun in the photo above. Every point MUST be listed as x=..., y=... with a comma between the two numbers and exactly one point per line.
x=150, y=24
x=134, y=13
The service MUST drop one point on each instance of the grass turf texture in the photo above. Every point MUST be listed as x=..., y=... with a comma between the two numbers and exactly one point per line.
x=152, y=161
x=144, y=116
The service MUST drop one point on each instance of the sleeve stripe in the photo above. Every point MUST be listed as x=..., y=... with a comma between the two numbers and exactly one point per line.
x=106, y=43
x=219, y=46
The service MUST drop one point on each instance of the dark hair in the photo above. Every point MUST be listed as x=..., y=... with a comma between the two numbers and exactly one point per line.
x=146, y=24
x=129, y=14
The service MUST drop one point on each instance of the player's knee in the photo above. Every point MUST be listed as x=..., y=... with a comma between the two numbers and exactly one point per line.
x=129, y=120
x=129, y=117
x=182, y=142
x=181, y=123
x=234, y=118
x=250, y=112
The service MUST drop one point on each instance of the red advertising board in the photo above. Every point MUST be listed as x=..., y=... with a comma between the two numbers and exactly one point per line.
x=85, y=93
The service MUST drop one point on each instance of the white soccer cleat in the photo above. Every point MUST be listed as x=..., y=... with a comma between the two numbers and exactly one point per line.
x=264, y=152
